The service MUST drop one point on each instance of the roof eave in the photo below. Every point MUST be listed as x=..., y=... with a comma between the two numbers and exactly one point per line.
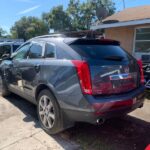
x=121, y=24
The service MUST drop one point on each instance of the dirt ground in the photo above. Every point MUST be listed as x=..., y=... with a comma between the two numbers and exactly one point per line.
x=19, y=130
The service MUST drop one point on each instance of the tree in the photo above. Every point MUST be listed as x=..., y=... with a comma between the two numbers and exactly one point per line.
x=73, y=12
x=87, y=12
x=83, y=14
x=2, y=32
x=57, y=19
x=28, y=27
x=78, y=16
x=108, y=4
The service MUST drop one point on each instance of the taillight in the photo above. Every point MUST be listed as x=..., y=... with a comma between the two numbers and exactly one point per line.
x=141, y=71
x=84, y=76
x=148, y=147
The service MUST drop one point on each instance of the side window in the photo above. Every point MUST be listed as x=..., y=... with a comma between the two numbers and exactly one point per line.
x=5, y=49
x=22, y=52
x=50, y=51
x=63, y=54
x=35, y=51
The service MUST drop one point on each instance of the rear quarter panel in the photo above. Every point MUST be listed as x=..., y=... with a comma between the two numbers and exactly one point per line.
x=61, y=77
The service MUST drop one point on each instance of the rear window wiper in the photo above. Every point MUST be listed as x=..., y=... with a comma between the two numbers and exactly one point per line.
x=114, y=58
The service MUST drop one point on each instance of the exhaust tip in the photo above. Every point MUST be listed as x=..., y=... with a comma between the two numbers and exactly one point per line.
x=100, y=121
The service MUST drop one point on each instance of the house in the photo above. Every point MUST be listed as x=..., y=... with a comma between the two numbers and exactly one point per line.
x=131, y=27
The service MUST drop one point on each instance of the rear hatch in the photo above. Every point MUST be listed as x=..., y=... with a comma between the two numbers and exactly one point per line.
x=112, y=70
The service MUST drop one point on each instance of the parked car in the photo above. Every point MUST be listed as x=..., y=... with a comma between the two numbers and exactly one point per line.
x=7, y=48
x=74, y=80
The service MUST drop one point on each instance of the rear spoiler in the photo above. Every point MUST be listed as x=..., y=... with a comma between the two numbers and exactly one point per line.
x=92, y=42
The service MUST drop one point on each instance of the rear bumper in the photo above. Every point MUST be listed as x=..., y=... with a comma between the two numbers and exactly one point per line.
x=90, y=114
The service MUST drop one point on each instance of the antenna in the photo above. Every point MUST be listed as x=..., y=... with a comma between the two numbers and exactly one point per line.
x=101, y=12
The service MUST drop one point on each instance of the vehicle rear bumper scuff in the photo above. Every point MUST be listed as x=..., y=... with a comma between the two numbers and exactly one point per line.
x=110, y=108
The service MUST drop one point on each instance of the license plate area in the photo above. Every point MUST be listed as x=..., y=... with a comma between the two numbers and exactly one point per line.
x=123, y=82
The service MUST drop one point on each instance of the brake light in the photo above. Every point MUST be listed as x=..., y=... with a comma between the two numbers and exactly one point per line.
x=141, y=71
x=84, y=76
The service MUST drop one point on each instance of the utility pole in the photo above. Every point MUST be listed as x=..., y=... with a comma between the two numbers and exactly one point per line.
x=124, y=6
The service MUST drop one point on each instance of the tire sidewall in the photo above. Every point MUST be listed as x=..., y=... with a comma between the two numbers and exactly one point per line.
x=57, y=127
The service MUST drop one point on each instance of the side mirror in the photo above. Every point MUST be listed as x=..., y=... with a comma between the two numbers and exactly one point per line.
x=6, y=57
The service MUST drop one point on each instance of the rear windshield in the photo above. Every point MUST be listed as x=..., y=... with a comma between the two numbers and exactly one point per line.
x=99, y=51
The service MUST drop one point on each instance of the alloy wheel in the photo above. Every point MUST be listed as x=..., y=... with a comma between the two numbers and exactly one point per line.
x=46, y=112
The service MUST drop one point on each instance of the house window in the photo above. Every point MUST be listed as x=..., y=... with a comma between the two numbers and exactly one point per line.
x=142, y=40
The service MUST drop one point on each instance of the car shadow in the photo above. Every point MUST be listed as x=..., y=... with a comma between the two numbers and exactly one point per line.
x=148, y=94
x=24, y=106
x=126, y=133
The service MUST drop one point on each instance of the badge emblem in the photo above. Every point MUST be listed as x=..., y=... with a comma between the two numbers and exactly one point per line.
x=126, y=69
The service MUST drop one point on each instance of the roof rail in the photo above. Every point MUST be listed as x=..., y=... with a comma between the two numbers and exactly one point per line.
x=80, y=34
x=51, y=35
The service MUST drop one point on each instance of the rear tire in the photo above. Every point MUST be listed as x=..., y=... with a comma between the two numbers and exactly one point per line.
x=49, y=113
x=5, y=91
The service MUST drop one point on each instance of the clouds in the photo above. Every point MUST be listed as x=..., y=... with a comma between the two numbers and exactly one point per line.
x=28, y=10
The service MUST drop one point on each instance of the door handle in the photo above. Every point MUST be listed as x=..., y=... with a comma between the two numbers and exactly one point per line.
x=37, y=67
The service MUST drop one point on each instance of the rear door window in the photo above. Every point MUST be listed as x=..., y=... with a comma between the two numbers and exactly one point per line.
x=35, y=51
x=50, y=51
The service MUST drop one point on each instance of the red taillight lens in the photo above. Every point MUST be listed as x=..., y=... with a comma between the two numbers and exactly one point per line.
x=84, y=76
x=141, y=71
x=148, y=147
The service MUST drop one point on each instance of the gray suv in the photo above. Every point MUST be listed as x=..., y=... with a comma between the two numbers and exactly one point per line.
x=74, y=80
